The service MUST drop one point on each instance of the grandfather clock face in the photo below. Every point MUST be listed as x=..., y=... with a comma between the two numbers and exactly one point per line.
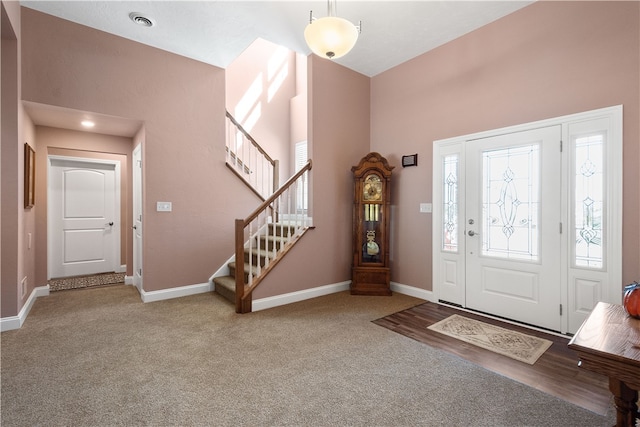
x=372, y=188
x=372, y=216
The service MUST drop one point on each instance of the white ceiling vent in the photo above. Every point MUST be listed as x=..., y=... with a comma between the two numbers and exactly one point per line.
x=140, y=19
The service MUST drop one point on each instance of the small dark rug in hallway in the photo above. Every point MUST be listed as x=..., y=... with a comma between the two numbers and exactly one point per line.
x=78, y=282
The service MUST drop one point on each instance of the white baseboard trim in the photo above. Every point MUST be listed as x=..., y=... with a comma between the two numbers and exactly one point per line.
x=16, y=322
x=412, y=291
x=170, y=293
x=138, y=286
x=284, y=299
x=278, y=300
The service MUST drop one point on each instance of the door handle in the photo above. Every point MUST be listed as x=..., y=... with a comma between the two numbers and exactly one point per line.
x=472, y=233
x=135, y=227
x=111, y=224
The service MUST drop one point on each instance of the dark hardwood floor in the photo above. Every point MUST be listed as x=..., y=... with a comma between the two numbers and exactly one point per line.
x=556, y=372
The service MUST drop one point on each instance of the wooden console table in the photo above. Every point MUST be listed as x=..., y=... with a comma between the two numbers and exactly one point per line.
x=608, y=343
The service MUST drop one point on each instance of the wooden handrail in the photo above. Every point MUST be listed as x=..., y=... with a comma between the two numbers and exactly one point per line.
x=250, y=138
x=281, y=190
x=234, y=161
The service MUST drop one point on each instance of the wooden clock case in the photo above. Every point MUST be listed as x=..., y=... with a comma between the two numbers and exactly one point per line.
x=371, y=273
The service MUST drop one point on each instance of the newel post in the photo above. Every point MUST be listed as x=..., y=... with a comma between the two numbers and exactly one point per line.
x=243, y=305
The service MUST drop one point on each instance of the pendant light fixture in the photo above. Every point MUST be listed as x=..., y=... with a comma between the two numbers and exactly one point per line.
x=331, y=37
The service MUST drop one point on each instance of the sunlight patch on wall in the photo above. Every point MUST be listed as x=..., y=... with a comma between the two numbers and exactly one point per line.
x=277, y=71
x=249, y=105
x=251, y=121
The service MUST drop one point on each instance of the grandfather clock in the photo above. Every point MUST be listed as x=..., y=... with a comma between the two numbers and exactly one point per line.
x=370, y=270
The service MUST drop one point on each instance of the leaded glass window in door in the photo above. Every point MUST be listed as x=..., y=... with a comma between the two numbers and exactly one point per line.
x=450, y=203
x=511, y=203
x=588, y=201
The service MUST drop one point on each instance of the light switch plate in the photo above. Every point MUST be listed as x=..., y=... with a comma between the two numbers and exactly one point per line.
x=425, y=207
x=163, y=206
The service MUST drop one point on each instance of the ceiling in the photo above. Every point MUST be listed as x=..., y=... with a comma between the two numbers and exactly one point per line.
x=66, y=118
x=216, y=32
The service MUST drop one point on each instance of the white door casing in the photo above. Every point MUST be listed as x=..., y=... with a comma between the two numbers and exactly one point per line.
x=137, y=217
x=83, y=216
x=580, y=286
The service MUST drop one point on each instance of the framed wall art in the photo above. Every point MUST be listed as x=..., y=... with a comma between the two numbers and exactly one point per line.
x=29, y=176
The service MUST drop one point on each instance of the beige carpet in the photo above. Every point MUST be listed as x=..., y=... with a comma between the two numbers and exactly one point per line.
x=78, y=282
x=100, y=357
x=522, y=347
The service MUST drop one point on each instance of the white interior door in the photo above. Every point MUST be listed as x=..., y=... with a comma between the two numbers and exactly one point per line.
x=84, y=216
x=137, y=217
x=512, y=226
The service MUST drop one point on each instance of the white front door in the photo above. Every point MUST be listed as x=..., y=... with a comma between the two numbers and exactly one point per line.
x=512, y=226
x=84, y=216
x=545, y=202
x=137, y=217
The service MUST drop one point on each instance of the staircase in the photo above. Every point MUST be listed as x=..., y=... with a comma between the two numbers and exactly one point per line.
x=265, y=236
x=255, y=259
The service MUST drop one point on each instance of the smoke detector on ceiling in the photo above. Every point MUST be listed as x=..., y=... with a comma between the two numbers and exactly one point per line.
x=140, y=19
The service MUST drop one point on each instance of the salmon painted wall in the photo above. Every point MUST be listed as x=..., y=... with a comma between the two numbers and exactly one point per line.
x=181, y=102
x=339, y=138
x=63, y=142
x=259, y=86
x=15, y=220
x=545, y=60
x=28, y=258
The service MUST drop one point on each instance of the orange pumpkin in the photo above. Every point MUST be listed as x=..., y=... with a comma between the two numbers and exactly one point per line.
x=631, y=301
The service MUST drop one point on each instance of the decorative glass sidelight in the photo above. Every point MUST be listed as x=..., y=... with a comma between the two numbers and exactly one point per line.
x=589, y=201
x=511, y=203
x=450, y=204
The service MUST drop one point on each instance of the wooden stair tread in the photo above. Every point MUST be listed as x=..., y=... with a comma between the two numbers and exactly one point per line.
x=234, y=266
x=226, y=281
x=275, y=238
x=261, y=252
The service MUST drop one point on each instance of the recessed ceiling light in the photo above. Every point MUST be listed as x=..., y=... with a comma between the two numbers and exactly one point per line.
x=87, y=123
x=140, y=19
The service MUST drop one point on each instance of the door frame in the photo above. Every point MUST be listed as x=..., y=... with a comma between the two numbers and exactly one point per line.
x=117, y=196
x=138, y=206
x=579, y=288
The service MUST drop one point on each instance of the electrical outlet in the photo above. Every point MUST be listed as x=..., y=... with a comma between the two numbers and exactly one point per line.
x=163, y=206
